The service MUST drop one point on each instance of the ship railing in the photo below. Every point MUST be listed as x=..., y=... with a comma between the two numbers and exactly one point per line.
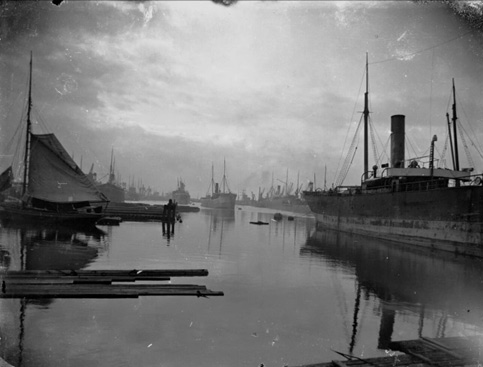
x=398, y=185
x=345, y=190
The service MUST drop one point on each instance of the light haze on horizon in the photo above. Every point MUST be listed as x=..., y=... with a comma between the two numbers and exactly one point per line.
x=174, y=87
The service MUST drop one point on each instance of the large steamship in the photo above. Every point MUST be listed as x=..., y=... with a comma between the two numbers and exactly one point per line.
x=406, y=201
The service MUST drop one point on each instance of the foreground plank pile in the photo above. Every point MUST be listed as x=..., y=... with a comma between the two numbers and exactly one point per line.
x=100, y=284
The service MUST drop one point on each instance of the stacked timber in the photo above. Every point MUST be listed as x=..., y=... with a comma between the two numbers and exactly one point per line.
x=100, y=284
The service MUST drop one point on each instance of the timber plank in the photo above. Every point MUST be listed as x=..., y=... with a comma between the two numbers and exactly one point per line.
x=110, y=272
x=106, y=283
x=104, y=291
x=81, y=279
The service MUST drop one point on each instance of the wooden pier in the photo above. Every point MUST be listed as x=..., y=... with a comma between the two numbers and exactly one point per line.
x=144, y=212
x=442, y=352
x=100, y=284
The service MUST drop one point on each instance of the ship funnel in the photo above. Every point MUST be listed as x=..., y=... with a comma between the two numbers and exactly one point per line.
x=397, y=141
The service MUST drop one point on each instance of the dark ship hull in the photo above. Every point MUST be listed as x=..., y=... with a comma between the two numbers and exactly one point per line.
x=409, y=200
x=448, y=219
x=181, y=197
x=16, y=213
x=219, y=201
x=285, y=204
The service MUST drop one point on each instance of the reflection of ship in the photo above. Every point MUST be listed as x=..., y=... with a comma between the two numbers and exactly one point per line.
x=221, y=199
x=41, y=247
x=180, y=195
x=54, y=188
x=218, y=219
x=406, y=279
x=37, y=247
x=428, y=206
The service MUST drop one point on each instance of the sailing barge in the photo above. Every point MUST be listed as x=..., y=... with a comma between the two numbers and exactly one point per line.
x=53, y=189
x=407, y=201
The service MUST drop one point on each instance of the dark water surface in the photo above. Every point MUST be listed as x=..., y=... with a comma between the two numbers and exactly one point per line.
x=293, y=295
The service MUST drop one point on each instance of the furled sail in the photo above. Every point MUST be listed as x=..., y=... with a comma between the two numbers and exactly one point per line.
x=54, y=176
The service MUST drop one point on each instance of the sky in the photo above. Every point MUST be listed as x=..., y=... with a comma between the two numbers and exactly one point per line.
x=272, y=88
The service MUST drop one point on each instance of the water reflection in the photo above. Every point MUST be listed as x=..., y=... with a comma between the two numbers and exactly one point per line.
x=218, y=221
x=441, y=290
x=37, y=247
x=28, y=247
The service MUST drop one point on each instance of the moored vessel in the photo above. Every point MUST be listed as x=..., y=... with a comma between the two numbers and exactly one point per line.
x=409, y=200
x=53, y=188
x=219, y=198
x=181, y=195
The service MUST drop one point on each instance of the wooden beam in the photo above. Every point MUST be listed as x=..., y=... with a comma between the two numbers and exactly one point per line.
x=141, y=273
x=103, y=290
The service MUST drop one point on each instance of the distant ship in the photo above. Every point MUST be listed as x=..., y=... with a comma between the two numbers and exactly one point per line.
x=284, y=199
x=244, y=199
x=180, y=195
x=289, y=203
x=219, y=199
x=53, y=189
x=111, y=189
x=404, y=202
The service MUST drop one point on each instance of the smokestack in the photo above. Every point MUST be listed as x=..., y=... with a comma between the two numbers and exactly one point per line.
x=397, y=141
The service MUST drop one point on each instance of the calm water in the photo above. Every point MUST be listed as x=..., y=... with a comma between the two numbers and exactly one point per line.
x=292, y=295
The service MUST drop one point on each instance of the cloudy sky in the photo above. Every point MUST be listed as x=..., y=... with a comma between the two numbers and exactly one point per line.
x=271, y=86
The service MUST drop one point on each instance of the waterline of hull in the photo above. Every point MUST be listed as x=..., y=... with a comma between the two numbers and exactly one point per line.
x=463, y=238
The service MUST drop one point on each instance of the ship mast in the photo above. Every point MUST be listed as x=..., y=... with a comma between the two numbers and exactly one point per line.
x=450, y=140
x=457, y=164
x=212, y=179
x=29, y=128
x=286, y=183
x=366, y=122
x=111, y=167
x=224, y=177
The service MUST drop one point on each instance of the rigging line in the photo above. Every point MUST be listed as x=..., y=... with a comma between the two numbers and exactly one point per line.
x=384, y=150
x=410, y=145
x=18, y=130
x=431, y=94
x=462, y=108
x=17, y=139
x=423, y=50
x=348, y=161
x=22, y=117
x=346, y=165
x=337, y=172
x=373, y=139
x=384, y=146
x=463, y=139
x=445, y=148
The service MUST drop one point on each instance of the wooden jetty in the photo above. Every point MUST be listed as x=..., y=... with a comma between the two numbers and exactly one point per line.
x=442, y=352
x=100, y=284
x=144, y=212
